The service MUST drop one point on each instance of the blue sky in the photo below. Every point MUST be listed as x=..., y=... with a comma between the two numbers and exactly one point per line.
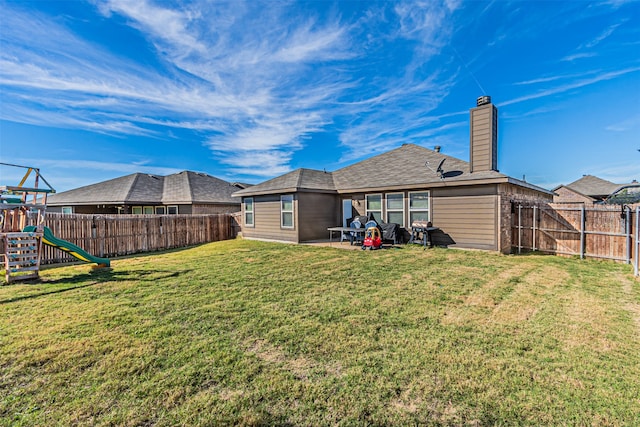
x=246, y=91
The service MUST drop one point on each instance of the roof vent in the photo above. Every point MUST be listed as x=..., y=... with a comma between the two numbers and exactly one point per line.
x=483, y=100
x=437, y=148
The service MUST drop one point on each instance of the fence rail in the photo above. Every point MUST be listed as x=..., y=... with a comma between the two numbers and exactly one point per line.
x=606, y=233
x=116, y=235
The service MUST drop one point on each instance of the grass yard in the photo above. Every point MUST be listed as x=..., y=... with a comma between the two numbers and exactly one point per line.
x=252, y=333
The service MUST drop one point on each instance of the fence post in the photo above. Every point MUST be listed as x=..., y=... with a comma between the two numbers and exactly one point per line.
x=533, y=242
x=627, y=227
x=582, y=231
x=519, y=229
x=637, y=232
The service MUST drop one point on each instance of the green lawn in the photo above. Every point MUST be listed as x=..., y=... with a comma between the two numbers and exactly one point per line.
x=253, y=333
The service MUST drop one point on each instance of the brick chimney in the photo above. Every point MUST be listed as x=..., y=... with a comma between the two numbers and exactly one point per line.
x=483, y=153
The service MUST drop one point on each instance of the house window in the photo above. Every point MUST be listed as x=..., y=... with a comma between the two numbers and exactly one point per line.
x=67, y=210
x=374, y=206
x=419, y=206
x=248, y=211
x=172, y=210
x=160, y=210
x=395, y=208
x=136, y=210
x=286, y=211
x=148, y=210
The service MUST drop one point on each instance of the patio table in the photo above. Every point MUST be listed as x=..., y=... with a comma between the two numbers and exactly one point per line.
x=345, y=230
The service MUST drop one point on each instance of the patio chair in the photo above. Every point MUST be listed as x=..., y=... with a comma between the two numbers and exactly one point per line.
x=355, y=237
x=345, y=235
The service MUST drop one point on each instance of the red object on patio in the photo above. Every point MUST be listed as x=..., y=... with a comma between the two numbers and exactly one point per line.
x=372, y=239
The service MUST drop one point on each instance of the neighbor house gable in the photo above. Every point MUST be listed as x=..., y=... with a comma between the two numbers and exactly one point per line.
x=593, y=186
x=589, y=189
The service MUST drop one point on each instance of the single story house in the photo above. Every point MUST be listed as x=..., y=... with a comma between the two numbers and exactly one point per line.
x=139, y=193
x=589, y=190
x=470, y=202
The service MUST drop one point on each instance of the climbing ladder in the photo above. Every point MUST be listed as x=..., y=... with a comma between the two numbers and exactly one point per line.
x=22, y=255
x=21, y=206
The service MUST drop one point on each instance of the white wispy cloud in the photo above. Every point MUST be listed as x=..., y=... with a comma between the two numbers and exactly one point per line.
x=383, y=118
x=572, y=85
x=625, y=124
x=259, y=163
x=117, y=167
x=249, y=79
x=600, y=37
x=548, y=79
x=260, y=66
x=162, y=23
x=579, y=55
x=620, y=172
x=92, y=89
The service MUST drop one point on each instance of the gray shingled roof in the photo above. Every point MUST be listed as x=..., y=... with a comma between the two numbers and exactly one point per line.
x=299, y=179
x=181, y=188
x=405, y=166
x=146, y=188
x=402, y=167
x=593, y=186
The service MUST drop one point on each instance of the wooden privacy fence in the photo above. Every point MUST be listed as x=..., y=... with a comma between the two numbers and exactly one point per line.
x=115, y=235
x=607, y=233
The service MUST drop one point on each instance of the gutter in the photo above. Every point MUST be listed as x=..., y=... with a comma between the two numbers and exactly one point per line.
x=283, y=191
x=398, y=187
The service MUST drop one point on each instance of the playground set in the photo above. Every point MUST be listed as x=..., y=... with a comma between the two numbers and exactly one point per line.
x=22, y=230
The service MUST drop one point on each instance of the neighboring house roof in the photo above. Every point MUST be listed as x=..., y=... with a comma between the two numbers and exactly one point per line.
x=181, y=188
x=404, y=167
x=241, y=184
x=592, y=186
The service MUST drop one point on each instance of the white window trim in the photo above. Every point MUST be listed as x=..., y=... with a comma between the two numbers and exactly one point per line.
x=428, y=209
x=366, y=204
x=153, y=209
x=67, y=210
x=172, y=206
x=387, y=210
x=137, y=207
x=164, y=210
x=282, y=212
x=252, y=211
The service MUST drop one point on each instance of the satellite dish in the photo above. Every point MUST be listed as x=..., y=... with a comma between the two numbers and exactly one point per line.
x=438, y=170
